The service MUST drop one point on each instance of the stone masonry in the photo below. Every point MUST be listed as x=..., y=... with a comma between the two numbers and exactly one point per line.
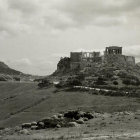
x=81, y=60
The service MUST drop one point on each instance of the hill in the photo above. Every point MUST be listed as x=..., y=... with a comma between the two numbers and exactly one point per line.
x=114, y=70
x=5, y=69
x=8, y=74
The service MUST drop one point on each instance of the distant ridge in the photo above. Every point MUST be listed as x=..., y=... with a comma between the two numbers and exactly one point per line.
x=9, y=74
x=5, y=69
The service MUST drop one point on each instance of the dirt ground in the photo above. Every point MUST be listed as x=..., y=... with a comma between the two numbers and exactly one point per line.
x=106, y=126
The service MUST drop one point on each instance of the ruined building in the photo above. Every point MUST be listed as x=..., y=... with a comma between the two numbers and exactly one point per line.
x=112, y=54
x=113, y=50
x=84, y=59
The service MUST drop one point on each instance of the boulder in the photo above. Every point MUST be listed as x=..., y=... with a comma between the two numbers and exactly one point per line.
x=17, y=128
x=61, y=119
x=85, y=119
x=74, y=114
x=80, y=121
x=73, y=124
x=41, y=125
x=46, y=119
x=60, y=115
x=50, y=122
x=26, y=125
x=58, y=126
x=89, y=115
x=81, y=113
x=55, y=117
x=24, y=131
x=33, y=123
x=34, y=127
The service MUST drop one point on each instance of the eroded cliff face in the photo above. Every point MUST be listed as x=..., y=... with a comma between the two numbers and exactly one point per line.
x=63, y=66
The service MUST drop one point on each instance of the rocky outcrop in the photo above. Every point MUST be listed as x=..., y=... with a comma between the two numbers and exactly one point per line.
x=63, y=66
x=67, y=119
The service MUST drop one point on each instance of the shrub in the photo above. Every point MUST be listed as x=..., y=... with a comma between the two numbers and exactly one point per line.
x=126, y=82
x=44, y=83
x=59, y=85
x=100, y=81
x=74, y=82
x=134, y=82
x=2, y=79
x=16, y=78
x=115, y=82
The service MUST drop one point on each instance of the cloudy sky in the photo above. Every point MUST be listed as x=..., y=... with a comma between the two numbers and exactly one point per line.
x=34, y=34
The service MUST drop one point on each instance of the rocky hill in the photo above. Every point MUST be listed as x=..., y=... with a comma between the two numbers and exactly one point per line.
x=5, y=69
x=8, y=74
x=112, y=62
x=114, y=70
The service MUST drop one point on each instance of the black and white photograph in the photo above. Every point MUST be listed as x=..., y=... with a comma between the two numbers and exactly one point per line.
x=69, y=69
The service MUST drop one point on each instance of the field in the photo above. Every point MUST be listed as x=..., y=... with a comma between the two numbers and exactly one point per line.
x=24, y=102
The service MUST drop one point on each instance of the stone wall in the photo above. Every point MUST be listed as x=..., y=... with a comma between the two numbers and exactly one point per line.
x=113, y=56
x=75, y=56
x=119, y=60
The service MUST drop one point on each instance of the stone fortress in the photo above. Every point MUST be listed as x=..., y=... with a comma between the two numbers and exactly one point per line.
x=113, y=54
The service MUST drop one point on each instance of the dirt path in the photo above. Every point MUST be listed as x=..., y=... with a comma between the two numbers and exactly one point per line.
x=124, y=136
x=44, y=136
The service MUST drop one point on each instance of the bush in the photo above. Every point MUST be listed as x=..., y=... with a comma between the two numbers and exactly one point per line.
x=16, y=78
x=122, y=74
x=59, y=85
x=134, y=82
x=44, y=83
x=100, y=81
x=74, y=82
x=115, y=82
x=2, y=79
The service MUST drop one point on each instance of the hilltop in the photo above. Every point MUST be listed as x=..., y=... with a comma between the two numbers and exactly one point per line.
x=111, y=69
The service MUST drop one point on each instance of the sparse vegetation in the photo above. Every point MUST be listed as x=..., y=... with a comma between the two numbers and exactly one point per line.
x=100, y=81
x=112, y=83
x=44, y=83
x=31, y=103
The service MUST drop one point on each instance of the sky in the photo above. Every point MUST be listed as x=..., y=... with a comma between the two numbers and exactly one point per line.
x=34, y=34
